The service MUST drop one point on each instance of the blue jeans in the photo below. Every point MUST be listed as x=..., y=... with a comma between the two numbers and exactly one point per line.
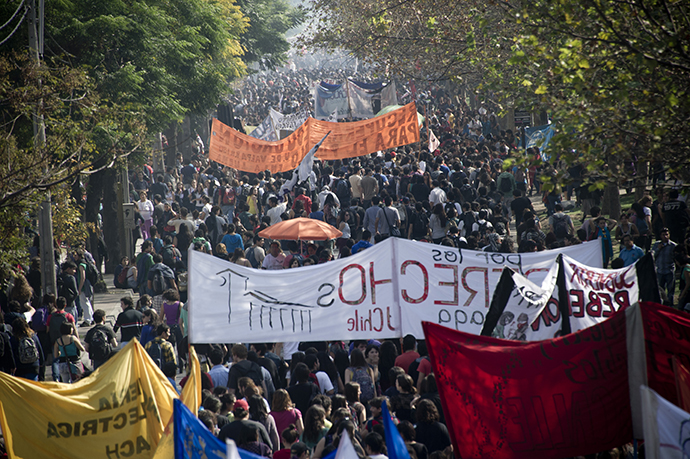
x=667, y=281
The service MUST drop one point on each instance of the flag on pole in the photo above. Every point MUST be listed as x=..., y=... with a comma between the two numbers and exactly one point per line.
x=666, y=427
x=194, y=441
x=345, y=449
x=394, y=441
x=433, y=142
x=307, y=164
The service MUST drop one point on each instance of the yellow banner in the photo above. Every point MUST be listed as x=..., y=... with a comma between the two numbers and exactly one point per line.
x=347, y=140
x=191, y=396
x=119, y=411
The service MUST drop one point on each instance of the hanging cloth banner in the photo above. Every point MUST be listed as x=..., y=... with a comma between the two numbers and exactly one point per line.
x=454, y=288
x=532, y=313
x=120, y=410
x=385, y=291
x=265, y=130
x=329, y=98
x=287, y=122
x=244, y=153
x=367, y=99
x=551, y=399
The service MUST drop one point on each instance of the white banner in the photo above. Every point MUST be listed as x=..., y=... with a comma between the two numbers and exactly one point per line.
x=265, y=131
x=329, y=99
x=349, y=298
x=525, y=302
x=287, y=122
x=359, y=297
x=454, y=288
x=360, y=101
x=594, y=294
x=666, y=427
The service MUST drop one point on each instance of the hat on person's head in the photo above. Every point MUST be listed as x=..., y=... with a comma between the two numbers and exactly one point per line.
x=241, y=404
x=405, y=199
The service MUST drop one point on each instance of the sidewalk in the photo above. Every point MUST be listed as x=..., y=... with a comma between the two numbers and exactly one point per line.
x=110, y=303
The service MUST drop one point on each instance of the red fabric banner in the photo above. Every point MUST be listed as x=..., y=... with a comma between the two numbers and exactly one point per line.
x=666, y=334
x=556, y=398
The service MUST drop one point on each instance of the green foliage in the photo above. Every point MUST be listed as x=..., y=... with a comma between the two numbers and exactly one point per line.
x=614, y=76
x=171, y=58
x=414, y=39
x=264, y=41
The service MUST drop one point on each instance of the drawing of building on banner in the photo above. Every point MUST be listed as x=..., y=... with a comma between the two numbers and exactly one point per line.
x=265, y=311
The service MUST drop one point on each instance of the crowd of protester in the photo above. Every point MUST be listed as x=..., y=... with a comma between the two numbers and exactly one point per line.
x=295, y=399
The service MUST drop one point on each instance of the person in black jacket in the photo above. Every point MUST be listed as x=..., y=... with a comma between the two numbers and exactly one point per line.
x=67, y=287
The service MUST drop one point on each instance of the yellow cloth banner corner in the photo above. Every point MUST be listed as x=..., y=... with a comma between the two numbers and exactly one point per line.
x=191, y=397
x=119, y=411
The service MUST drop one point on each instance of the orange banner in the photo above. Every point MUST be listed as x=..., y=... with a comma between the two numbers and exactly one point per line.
x=347, y=140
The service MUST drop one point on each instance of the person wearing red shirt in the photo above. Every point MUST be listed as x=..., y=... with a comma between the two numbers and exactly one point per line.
x=409, y=354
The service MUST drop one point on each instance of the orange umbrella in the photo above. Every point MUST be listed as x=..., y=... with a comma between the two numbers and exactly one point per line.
x=301, y=229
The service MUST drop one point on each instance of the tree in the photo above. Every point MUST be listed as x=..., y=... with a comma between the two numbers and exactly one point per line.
x=264, y=41
x=614, y=78
x=171, y=58
x=422, y=40
x=76, y=120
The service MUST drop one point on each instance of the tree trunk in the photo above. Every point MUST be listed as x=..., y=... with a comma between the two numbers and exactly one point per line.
x=611, y=202
x=110, y=223
x=641, y=179
x=94, y=193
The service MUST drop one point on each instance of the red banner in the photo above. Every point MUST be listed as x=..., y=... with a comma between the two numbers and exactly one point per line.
x=666, y=334
x=556, y=398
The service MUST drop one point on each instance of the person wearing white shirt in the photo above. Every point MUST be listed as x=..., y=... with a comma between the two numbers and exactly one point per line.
x=146, y=211
x=276, y=210
x=325, y=383
x=437, y=195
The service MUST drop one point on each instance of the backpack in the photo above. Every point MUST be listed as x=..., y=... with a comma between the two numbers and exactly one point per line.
x=420, y=224
x=28, y=353
x=56, y=320
x=342, y=191
x=100, y=347
x=122, y=277
x=182, y=281
x=64, y=291
x=361, y=376
x=171, y=256
x=158, y=282
x=641, y=223
x=413, y=369
x=90, y=271
x=468, y=192
x=227, y=196
x=560, y=227
x=155, y=351
x=469, y=219
x=506, y=186
x=38, y=320
x=251, y=257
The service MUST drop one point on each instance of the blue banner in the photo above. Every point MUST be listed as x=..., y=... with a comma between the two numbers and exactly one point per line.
x=369, y=86
x=192, y=439
x=394, y=441
x=539, y=136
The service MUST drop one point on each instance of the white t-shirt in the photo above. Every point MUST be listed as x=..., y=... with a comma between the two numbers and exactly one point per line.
x=325, y=383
